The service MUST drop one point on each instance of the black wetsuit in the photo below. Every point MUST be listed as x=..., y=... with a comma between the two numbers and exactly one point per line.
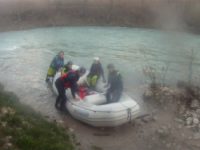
x=96, y=69
x=116, y=85
x=72, y=78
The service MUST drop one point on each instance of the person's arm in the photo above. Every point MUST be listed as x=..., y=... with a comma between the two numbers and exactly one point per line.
x=63, y=61
x=73, y=85
x=108, y=82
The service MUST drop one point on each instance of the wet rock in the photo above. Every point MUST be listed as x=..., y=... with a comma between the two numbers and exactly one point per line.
x=163, y=133
x=168, y=145
x=194, y=104
x=148, y=94
x=195, y=121
x=198, y=111
x=196, y=136
x=71, y=130
x=155, y=118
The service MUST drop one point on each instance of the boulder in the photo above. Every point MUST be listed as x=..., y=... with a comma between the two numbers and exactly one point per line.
x=194, y=104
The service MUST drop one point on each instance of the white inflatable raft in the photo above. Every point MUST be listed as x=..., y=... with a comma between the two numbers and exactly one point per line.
x=93, y=110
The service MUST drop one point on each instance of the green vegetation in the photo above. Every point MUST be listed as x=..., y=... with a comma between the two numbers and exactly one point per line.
x=24, y=129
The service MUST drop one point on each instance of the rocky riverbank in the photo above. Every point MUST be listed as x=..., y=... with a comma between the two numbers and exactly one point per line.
x=182, y=105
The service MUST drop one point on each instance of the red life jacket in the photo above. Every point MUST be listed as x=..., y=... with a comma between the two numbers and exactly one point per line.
x=64, y=75
x=83, y=92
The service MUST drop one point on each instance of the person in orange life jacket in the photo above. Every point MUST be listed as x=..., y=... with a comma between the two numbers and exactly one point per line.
x=56, y=65
x=96, y=71
x=67, y=67
x=67, y=80
x=116, y=83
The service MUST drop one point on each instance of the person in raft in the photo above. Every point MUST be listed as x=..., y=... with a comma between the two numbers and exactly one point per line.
x=67, y=80
x=116, y=83
x=67, y=67
x=96, y=71
x=56, y=65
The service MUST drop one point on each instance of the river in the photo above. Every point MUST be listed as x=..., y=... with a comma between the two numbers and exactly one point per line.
x=25, y=56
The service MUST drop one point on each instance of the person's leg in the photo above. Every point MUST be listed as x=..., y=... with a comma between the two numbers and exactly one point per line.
x=50, y=73
x=61, y=90
x=118, y=95
x=63, y=101
x=108, y=92
x=88, y=79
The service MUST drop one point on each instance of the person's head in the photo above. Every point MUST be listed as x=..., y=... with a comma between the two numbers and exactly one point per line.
x=96, y=60
x=81, y=71
x=69, y=64
x=111, y=67
x=61, y=54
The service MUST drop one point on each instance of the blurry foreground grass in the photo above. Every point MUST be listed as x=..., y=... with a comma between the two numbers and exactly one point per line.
x=24, y=129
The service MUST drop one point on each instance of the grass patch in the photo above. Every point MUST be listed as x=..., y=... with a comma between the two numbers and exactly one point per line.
x=29, y=129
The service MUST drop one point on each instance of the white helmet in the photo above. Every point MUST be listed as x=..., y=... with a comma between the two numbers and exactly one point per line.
x=96, y=58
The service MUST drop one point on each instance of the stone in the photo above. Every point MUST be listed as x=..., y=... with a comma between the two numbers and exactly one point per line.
x=194, y=115
x=4, y=124
x=163, y=133
x=8, y=144
x=168, y=145
x=198, y=111
x=164, y=128
x=148, y=94
x=155, y=118
x=195, y=121
x=71, y=130
x=194, y=104
x=188, y=121
x=165, y=89
x=196, y=136
x=8, y=137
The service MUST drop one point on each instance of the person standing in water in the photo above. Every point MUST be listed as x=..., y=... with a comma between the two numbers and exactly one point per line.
x=56, y=65
x=67, y=67
x=96, y=71
x=116, y=83
x=67, y=80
